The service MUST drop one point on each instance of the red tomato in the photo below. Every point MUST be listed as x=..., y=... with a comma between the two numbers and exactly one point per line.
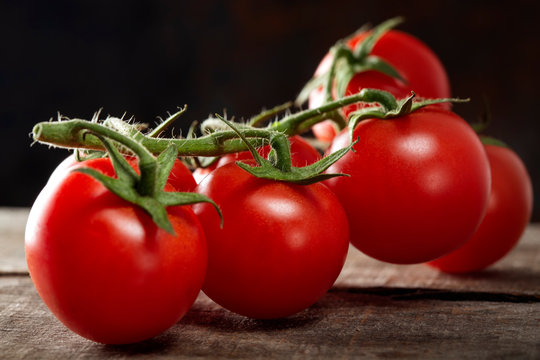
x=200, y=173
x=302, y=154
x=103, y=267
x=281, y=247
x=180, y=177
x=418, y=185
x=507, y=216
x=415, y=61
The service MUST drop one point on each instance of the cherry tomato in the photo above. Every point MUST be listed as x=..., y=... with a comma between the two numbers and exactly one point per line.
x=302, y=154
x=281, y=247
x=415, y=62
x=507, y=216
x=418, y=185
x=180, y=177
x=101, y=264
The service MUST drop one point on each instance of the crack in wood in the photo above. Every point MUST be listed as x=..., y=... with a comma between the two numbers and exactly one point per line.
x=14, y=273
x=395, y=293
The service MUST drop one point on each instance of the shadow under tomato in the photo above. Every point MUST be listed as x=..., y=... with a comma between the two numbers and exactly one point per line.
x=155, y=345
x=224, y=320
x=514, y=285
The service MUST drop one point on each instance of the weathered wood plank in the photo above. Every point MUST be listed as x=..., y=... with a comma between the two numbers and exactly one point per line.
x=12, y=224
x=341, y=325
x=518, y=273
x=375, y=310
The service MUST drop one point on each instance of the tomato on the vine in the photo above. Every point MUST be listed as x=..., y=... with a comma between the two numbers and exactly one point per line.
x=281, y=247
x=417, y=64
x=507, y=215
x=103, y=267
x=418, y=185
x=302, y=154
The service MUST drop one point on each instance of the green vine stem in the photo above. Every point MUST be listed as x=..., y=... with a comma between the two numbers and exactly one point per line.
x=346, y=63
x=91, y=135
x=257, y=120
x=279, y=168
x=72, y=133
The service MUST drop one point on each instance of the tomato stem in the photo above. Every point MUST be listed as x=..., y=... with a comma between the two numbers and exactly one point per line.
x=280, y=144
x=347, y=62
x=257, y=120
x=164, y=125
x=69, y=133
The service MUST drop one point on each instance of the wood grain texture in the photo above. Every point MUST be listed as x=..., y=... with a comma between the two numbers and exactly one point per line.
x=12, y=224
x=375, y=310
x=518, y=272
x=341, y=325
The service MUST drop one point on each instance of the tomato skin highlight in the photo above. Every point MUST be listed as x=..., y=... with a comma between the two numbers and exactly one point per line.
x=200, y=173
x=103, y=267
x=508, y=213
x=281, y=247
x=415, y=61
x=418, y=185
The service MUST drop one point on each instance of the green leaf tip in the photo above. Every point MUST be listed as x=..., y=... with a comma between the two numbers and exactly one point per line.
x=127, y=184
x=389, y=107
x=306, y=175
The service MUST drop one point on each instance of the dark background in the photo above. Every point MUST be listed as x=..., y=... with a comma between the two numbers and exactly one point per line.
x=147, y=58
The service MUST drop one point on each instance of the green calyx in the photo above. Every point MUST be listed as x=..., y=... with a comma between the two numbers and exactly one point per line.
x=347, y=62
x=389, y=107
x=147, y=189
x=483, y=124
x=488, y=140
x=278, y=166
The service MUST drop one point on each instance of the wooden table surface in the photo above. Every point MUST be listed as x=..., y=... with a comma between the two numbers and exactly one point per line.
x=375, y=310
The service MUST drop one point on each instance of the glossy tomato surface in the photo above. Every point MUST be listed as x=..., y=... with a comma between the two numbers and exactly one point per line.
x=181, y=178
x=103, y=267
x=281, y=247
x=418, y=185
x=507, y=216
x=417, y=64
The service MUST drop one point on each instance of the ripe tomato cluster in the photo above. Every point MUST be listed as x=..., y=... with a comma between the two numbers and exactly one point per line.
x=420, y=187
